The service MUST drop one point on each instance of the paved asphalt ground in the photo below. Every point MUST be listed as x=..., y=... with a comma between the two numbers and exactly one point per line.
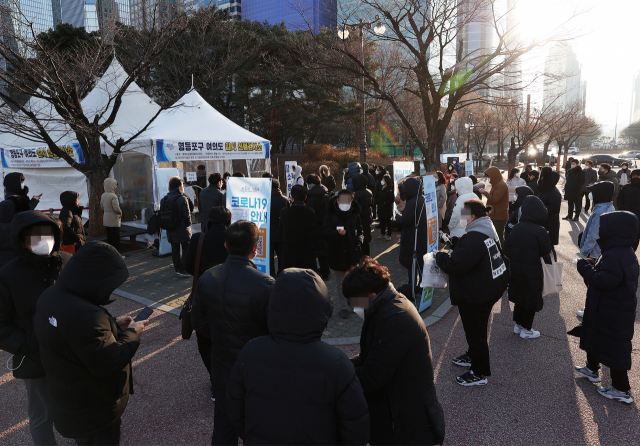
x=533, y=396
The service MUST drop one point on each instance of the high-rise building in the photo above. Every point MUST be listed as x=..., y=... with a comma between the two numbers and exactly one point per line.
x=562, y=84
x=635, y=99
x=44, y=14
x=192, y=6
x=512, y=76
x=95, y=15
x=298, y=15
x=145, y=14
x=475, y=34
x=233, y=7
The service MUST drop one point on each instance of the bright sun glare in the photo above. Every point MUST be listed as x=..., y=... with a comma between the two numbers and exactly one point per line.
x=537, y=19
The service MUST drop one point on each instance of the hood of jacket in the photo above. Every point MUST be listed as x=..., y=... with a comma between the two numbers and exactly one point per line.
x=412, y=187
x=299, y=306
x=110, y=185
x=602, y=191
x=93, y=273
x=484, y=226
x=324, y=171
x=464, y=185
x=533, y=210
x=359, y=182
x=619, y=228
x=354, y=168
x=522, y=192
x=317, y=190
x=21, y=222
x=68, y=199
x=494, y=174
x=11, y=206
x=333, y=209
x=298, y=170
x=12, y=182
x=548, y=179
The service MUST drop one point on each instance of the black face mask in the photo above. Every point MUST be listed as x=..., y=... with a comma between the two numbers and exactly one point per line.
x=635, y=182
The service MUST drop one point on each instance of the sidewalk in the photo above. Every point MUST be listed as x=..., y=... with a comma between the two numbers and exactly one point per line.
x=152, y=281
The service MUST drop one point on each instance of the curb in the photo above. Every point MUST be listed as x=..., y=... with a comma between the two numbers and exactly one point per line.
x=148, y=302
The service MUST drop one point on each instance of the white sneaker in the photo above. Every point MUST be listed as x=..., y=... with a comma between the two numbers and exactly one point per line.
x=614, y=394
x=388, y=237
x=381, y=237
x=529, y=334
x=580, y=313
x=517, y=329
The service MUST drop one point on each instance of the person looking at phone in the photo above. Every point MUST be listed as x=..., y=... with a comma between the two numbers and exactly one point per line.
x=14, y=185
x=343, y=232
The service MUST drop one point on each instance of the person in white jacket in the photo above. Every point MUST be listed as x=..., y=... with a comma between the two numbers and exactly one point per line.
x=298, y=177
x=464, y=187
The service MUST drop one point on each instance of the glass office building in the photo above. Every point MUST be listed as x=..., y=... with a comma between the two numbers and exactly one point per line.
x=95, y=14
x=296, y=15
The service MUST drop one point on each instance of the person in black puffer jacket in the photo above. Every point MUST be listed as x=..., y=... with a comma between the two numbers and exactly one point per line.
x=384, y=202
x=394, y=365
x=278, y=203
x=527, y=243
x=343, y=232
x=327, y=180
x=521, y=192
x=478, y=276
x=532, y=182
x=552, y=200
x=573, y=190
x=318, y=199
x=71, y=218
x=629, y=199
x=364, y=197
x=14, y=185
x=610, y=312
x=85, y=351
x=290, y=387
x=8, y=208
x=22, y=282
x=299, y=233
x=415, y=211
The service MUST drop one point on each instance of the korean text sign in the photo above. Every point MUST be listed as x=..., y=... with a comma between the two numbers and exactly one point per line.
x=290, y=174
x=210, y=150
x=401, y=169
x=40, y=157
x=250, y=199
x=431, y=202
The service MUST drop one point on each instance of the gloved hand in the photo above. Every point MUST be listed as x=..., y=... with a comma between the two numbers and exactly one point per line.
x=454, y=241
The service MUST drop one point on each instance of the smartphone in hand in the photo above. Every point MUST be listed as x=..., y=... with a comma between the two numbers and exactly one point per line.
x=144, y=314
x=582, y=256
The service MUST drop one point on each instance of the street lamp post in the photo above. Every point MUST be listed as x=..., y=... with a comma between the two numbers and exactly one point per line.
x=343, y=33
x=469, y=126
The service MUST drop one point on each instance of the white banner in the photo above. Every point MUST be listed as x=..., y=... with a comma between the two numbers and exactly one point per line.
x=209, y=150
x=468, y=168
x=401, y=169
x=429, y=183
x=290, y=175
x=39, y=157
x=250, y=199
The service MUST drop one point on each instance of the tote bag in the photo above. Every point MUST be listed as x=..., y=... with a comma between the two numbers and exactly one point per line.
x=552, y=281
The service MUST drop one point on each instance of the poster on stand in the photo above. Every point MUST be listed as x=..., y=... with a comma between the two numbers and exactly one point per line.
x=468, y=168
x=38, y=157
x=162, y=183
x=167, y=150
x=429, y=183
x=250, y=199
x=290, y=175
x=401, y=169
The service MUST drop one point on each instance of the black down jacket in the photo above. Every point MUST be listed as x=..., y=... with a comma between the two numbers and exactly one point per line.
x=209, y=197
x=610, y=310
x=22, y=281
x=8, y=208
x=415, y=211
x=183, y=233
x=522, y=192
x=86, y=355
x=525, y=246
x=364, y=197
x=13, y=186
x=213, y=250
x=395, y=369
x=552, y=200
x=299, y=234
x=384, y=201
x=290, y=387
x=71, y=218
x=573, y=186
x=278, y=203
x=344, y=250
x=318, y=200
x=230, y=302
x=629, y=198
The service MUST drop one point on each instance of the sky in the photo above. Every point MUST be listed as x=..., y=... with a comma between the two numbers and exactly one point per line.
x=607, y=46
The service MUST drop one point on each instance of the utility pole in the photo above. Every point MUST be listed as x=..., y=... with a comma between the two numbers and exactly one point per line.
x=526, y=148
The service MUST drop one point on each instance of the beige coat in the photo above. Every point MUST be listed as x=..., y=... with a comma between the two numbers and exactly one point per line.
x=110, y=204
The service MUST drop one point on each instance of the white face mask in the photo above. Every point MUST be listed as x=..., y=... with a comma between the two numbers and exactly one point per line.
x=382, y=182
x=517, y=175
x=344, y=207
x=44, y=246
x=590, y=196
x=359, y=311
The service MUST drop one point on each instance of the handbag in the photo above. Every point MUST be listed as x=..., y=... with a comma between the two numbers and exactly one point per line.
x=552, y=277
x=185, y=313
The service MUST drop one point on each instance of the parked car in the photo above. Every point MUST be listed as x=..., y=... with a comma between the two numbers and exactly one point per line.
x=609, y=159
x=631, y=154
x=573, y=151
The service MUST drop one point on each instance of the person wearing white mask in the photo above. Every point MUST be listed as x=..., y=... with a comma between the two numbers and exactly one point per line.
x=342, y=231
x=36, y=239
x=513, y=182
x=624, y=175
x=465, y=193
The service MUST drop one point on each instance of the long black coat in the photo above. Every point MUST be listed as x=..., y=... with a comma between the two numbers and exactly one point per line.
x=395, y=369
x=573, y=186
x=213, y=249
x=86, y=355
x=211, y=196
x=414, y=210
x=8, y=208
x=344, y=250
x=384, y=201
x=610, y=310
x=552, y=200
x=364, y=197
x=290, y=387
x=318, y=200
x=278, y=203
x=71, y=218
x=628, y=199
x=22, y=281
x=299, y=234
x=230, y=303
x=525, y=246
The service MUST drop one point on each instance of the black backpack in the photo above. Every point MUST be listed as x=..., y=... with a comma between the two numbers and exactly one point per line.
x=169, y=214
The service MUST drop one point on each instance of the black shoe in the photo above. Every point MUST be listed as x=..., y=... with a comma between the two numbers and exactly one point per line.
x=577, y=218
x=567, y=218
x=471, y=379
x=462, y=360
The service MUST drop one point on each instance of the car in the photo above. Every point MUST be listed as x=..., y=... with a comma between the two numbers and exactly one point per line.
x=573, y=151
x=609, y=159
x=631, y=154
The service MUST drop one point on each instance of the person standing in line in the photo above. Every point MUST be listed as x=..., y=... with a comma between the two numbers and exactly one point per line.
x=36, y=240
x=521, y=193
x=297, y=179
x=210, y=197
x=413, y=223
x=278, y=203
x=590, y=177
x=179, y=237
x=384, y=203
x=343, y=232
x=532, y=182
x=452, y=199
x=14, y=185
x=8, y=209
x=609, y=317
x=368, y=170
x=298, y=229
x=231, y=303
x=225, y=177
x=573, y=190
x=394, y=364
x=290, y=387
x=441, y=196
x=364, y=197
x=327, y=179
x=606, y=174
x=497, y=200
x=112, y=216
x=552, y=200
x=85, y=351
x=513, y=182
x=526, y=244
x=71, y=218
x=478, y=277
x=629, y=199
x=464, y=186
x=318, y=200
x=449, y=173
x=623, y=175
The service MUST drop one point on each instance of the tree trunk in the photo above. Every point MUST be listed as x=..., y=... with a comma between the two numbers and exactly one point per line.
x=543, y=161
x=431, y=159
x=96, y=179
x=512, y=154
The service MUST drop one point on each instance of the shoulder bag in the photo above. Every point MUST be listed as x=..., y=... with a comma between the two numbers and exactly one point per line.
x=185, y=313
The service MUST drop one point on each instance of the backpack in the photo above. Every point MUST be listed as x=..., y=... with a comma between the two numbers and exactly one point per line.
x=169, y=214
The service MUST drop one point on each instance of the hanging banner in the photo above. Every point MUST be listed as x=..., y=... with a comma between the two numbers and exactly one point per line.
x=39, y=157
x=250, y=199
x=290, y=175
x=468, y=168
x=429, y=183
x=167, y=150
x=401, y=169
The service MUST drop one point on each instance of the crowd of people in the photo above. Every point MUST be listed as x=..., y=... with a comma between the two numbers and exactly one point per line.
x=259, y=335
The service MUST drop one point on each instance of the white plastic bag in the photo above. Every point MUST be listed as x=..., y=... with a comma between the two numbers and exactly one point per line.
x=432, y=276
